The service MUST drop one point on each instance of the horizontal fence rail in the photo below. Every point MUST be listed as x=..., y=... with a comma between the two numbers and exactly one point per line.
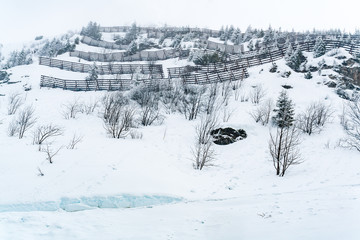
x=104, y=44
x=154, y=69
x=95, y=85
x=156, y=55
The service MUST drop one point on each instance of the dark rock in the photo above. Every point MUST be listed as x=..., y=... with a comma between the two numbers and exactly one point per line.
x=313, y=69
x=286, y=74
x=273, y=69
x=343, y=94
x=287, y=86
x=4, y=76
x=225, y=136
x=331, y=84
x=340, y=57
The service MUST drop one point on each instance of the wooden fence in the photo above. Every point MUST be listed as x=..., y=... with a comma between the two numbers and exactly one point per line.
x=104, y=44
x=98, y=85
x=156, y=55
x=153, y=69
x=183, y=30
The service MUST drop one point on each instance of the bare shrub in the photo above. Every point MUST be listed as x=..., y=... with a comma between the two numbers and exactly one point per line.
x=262, y=113
x=89, y=107
x=13, y=128
x=71, y=109
x=136, y=134
x=118, y=116
x=284, y=150
x=257, y=94
x=203, y=152
x=25, y=120
x=211, y=105
x=14, y=102
x=75, y=140
x=51, y=153
x=191, y=101
x=352, y=125
x=226, y=92
x=40, y=174
x=149, y=103
x=170, y=97
x=314, y=118
x=237, y=85
x=227, y=113
x=44, y=132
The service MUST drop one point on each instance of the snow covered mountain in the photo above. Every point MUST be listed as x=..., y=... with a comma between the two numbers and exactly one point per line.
x=84, y=183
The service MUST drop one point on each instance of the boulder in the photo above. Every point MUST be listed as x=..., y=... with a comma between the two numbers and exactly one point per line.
x=225, y=136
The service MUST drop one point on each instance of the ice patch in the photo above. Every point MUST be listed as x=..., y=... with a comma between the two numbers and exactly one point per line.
x=87, y=203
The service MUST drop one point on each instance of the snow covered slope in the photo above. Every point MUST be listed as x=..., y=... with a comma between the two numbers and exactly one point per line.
x=147, y=188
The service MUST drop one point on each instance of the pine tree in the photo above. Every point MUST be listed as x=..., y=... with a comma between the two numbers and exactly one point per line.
x=284, y=117
x=91, y=30
x=250, y=45
x=289, y=52
x=296, y=59
x=93, y=73
x=319, y=48
x=308, y=75
x=307, y=38
x=268, y=37
x=132, y=48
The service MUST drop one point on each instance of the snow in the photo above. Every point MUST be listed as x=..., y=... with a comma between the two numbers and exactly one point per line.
x=147, y=188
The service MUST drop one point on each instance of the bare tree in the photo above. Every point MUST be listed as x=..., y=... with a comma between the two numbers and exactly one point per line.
x=89, y=107
x=227, y=113
x=14, y=102
x=74, y=141
x=44, y=132
x=226, y=92
x=262, y=113
x=237, y=85
x=71, y=109
x=203, y=152
x=314, y=118
x=120, y=121
x=257, y=94
x=283, y=148
x=192, y=101
x=212, y=98
x=170, y=96
x=352, y=125
x=25, y=120
x=50, y=153
x=13, y=128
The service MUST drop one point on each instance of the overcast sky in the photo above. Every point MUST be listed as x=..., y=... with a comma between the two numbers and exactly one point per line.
x=22, y=20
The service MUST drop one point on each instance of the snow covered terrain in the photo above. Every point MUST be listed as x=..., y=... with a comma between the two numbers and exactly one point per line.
x=147, y=188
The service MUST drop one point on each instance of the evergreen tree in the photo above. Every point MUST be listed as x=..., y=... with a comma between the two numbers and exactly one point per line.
x=289, y=52
x=132, y=48
x=91, y=30
x=268, y=37
x=284, y=117
x=319, y=48
x=93, y=73
x=250, y=45
x=236, y=37
x=296, y=59
x=308, y=75
x=307, y=38
x=248, y=34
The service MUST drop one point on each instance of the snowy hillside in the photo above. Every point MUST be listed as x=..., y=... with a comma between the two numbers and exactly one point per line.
x=144, y=185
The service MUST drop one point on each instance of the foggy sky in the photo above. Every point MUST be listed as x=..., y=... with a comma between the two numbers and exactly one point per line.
x=22, y=20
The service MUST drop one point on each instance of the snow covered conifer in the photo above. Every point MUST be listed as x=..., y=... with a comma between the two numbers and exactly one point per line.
x=132, y=48
x=93, y=73
x=296, y=59
x=284, y=117
x=319, y=48
x=289, y=52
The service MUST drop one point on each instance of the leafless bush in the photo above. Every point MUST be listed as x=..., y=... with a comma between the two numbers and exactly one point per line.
x=284, y=149
x=44, y=132
x=314, y=118
x=352, y=125
x=237, y=85
x=40, y=174
x=136, y=134
x=203, y=152
x=112, y=101
x=257, y=94
x=243, y=97
x=89, y=107
x=226, y=92
x=74, y=141
x=23, y=122
x=118, y=117
x=51, y=153
x=211, y=104
x=71, y=109
x=192, y=101
x=13, y=128
x=14, y=102
x=170, y=97
x=227, y=113
x=262, y=113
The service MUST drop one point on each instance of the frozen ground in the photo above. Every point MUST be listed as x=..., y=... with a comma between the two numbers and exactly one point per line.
x=147, y=188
